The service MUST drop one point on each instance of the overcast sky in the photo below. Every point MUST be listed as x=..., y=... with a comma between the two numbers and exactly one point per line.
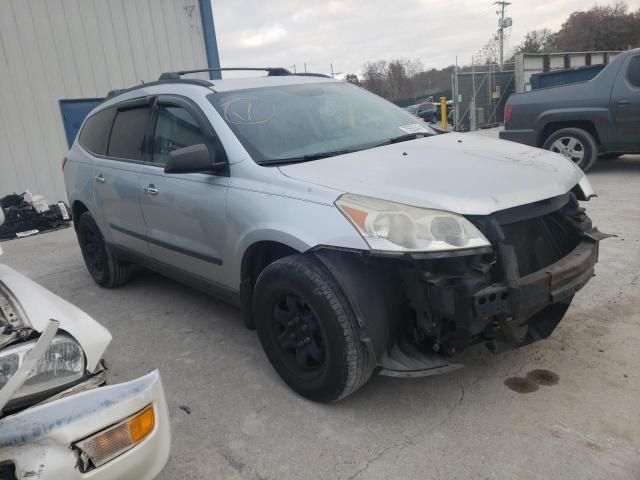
x=350, y=32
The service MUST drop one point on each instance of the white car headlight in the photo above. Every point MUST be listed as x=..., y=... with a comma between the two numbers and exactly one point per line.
x=62, y=364
x=389, y=226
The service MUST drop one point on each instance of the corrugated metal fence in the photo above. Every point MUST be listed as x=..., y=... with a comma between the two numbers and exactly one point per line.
x=65, y=49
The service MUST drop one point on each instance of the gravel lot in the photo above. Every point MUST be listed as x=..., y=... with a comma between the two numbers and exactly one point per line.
x=245, y=423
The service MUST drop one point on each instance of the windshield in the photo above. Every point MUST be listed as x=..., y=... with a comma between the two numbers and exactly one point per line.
x=305, y=122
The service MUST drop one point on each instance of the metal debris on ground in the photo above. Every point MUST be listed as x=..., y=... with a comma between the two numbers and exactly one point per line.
x=27, y=214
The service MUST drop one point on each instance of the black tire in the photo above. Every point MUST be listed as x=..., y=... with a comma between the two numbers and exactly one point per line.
x=585, y=152
x=333, y=362
x=105, y=270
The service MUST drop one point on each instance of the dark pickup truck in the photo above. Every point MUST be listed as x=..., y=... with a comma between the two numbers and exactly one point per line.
x=582, y=121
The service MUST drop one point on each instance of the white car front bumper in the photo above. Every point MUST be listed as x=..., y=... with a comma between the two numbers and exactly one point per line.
x=38, y=440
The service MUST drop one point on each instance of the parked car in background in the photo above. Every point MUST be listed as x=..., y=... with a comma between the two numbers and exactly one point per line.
x=428, y=112
x=412, y=109
x=351, y=235
x=57, y=419
x=582, y=121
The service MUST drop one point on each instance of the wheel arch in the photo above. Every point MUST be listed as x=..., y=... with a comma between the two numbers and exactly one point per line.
x=553, y=126
x=256, y=257
x=77, y=209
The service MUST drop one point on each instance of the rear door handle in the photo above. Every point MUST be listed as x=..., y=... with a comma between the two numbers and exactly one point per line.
x=624, y=103
x=100, y=179
x=151, y=189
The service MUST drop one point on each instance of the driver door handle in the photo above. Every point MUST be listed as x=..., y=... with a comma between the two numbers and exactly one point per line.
x=151, y=189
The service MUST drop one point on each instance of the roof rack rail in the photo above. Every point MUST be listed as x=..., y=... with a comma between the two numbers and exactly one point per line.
x=191, y=81
x=311, y=74
x=271, y=72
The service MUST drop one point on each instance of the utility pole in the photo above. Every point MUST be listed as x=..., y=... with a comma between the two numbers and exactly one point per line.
x=502, y=24
x=305, y=67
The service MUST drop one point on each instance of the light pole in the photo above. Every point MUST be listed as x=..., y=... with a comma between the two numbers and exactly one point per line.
x=502, y=24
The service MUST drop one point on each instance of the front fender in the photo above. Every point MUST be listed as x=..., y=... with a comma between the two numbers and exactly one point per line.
x=373, y=294
x=299, y=224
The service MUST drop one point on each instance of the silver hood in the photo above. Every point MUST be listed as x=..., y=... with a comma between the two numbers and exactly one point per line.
x=467, y=174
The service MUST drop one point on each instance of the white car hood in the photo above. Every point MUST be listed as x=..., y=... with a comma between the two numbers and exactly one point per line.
x=467, y=174
x=40, y=305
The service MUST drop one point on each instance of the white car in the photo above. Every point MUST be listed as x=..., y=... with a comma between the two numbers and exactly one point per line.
x=57, y=420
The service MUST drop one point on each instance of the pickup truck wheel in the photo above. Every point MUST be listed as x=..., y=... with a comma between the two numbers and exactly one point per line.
x=105, y=270
x=576, y=144
x=308, y=330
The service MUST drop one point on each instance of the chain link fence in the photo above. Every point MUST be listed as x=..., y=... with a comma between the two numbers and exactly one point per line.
x=479, y=95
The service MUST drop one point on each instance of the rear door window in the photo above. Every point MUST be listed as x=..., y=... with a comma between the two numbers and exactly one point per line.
x=633, y=73
x=95, y=133
x=128, y=133
x=175, y=128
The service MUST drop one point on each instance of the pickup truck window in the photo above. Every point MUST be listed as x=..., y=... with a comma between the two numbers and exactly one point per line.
x=633, y=73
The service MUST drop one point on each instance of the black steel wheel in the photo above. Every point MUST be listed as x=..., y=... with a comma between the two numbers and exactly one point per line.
x=308, y=330
x=300, y=339
x=105, y=270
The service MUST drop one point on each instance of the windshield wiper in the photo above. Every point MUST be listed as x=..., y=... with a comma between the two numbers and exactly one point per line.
x=404, y=138
x=306, y=158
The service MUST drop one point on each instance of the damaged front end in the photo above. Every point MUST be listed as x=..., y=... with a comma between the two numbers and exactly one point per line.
x=57, y=417
x=418, y=310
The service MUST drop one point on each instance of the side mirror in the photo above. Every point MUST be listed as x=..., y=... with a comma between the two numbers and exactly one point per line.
x=192, y=159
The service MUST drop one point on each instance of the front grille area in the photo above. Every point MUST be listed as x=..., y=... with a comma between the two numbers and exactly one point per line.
x=541, y=241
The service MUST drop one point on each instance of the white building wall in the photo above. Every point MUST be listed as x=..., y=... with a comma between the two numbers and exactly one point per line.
x=65, y=49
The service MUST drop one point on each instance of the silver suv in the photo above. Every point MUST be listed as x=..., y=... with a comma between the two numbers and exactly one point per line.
x=354, y=237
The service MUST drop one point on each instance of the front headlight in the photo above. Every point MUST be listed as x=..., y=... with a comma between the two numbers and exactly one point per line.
x=62, y=364
x=389, y=226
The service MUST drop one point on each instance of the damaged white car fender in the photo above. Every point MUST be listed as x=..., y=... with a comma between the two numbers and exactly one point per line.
x=39, y=305
x=45, y=441
x=73, y=428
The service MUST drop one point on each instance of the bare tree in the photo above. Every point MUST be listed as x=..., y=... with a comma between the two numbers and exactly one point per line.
x=600, y=28
x=397, y=79
x=537, y=41
x=352, y=78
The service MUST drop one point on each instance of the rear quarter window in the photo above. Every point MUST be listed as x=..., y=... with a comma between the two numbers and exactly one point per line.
x=633, y=73
x=94, y=136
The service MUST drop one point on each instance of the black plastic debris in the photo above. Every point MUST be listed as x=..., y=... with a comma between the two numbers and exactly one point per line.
x=23, y=220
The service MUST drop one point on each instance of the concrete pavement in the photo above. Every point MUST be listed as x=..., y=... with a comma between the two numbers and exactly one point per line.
x=246, y=424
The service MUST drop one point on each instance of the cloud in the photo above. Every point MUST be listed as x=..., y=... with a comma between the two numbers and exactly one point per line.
x=348, y=33
x=338, y=8
x=267, y=37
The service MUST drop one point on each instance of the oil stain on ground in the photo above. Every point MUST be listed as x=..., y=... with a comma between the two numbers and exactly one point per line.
x=532, y=380
x=543, y=377
x=521, y=385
